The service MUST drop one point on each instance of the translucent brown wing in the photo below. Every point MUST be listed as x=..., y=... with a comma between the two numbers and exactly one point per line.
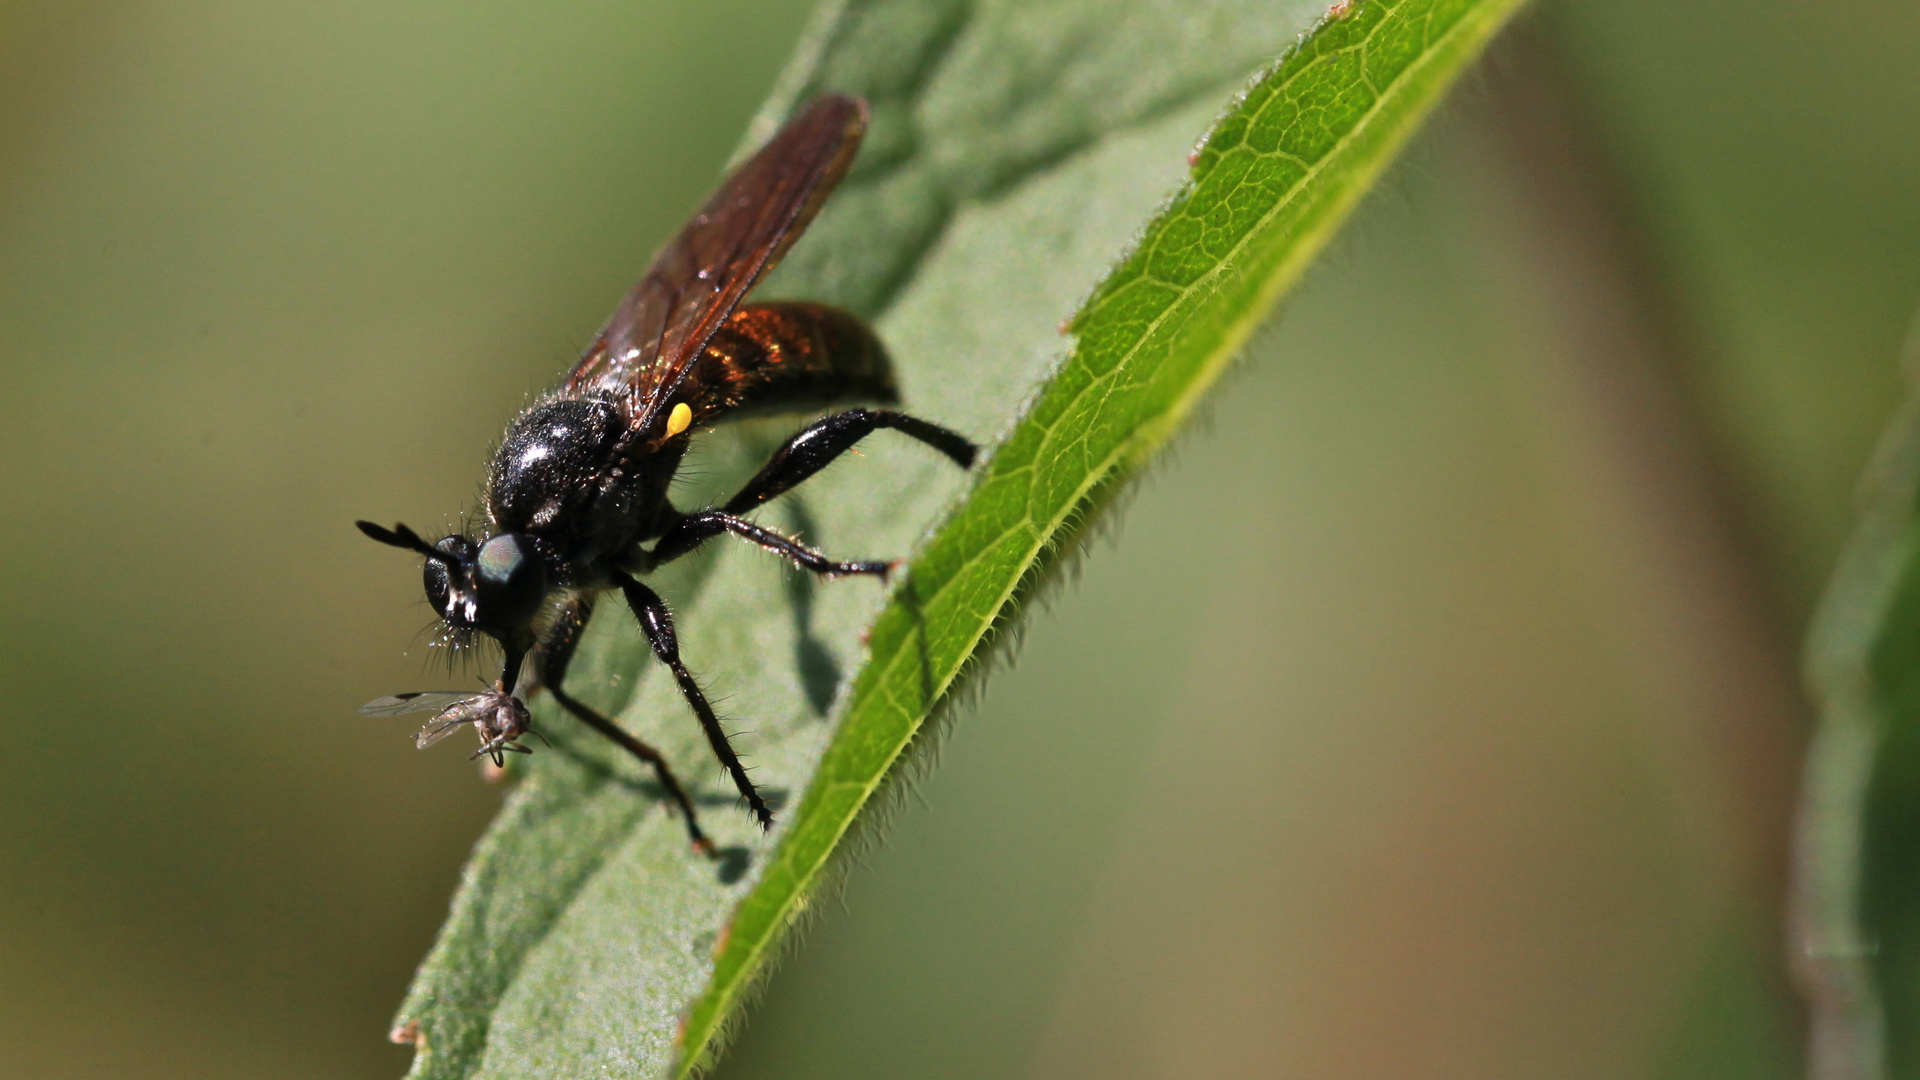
x=701, y=275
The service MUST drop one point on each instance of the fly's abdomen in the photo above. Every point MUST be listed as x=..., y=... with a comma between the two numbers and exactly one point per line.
x=787, y=357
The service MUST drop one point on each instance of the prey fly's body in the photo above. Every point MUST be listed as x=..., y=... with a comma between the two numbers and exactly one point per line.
x=580, y=482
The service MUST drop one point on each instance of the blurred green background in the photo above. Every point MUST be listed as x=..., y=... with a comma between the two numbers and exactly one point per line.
x=1435, y=712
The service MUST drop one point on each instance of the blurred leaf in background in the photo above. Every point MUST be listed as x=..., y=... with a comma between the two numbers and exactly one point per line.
x=1369, y=771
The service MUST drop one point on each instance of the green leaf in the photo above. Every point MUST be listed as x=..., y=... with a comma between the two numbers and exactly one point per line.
x=1857, y=888
x=1015, y=150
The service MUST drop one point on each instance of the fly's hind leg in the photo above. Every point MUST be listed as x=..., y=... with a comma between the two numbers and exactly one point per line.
x=810, y=449
x=556, y=652
x=813, y=447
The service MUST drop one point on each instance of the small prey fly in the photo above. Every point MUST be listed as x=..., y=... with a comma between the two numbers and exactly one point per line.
x=580, y=482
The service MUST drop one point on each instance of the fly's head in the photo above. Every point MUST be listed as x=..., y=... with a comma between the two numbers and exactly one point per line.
x=494, y=586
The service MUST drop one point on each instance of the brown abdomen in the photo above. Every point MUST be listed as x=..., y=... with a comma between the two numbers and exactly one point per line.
x=787, y=357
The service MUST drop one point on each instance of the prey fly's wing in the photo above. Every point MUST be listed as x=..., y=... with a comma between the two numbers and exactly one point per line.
x=701, y=275
x=441, y=726
x=456, y=710
x=422, y=701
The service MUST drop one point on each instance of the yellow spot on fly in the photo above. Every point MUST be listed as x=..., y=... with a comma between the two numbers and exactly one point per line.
x=679, y=420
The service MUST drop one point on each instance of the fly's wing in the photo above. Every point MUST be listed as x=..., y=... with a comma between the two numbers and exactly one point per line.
x=697, y=279
x=442, y=726
x=424, y=701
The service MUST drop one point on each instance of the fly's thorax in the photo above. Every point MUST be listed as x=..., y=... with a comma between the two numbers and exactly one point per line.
x=551, y=465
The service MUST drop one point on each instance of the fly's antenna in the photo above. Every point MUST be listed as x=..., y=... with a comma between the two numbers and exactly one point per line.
x=402, y=537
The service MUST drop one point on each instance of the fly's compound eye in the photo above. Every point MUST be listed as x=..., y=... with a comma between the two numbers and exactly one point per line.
x=441, y=585
x=509, y=580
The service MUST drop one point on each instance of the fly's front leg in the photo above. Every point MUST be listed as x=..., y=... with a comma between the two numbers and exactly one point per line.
x=556, y=652
x=658, y=625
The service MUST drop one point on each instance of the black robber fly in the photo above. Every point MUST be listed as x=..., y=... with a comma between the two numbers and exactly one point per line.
x=580, y=482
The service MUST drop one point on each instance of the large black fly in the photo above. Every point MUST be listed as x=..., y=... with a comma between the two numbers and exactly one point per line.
x=581, y=480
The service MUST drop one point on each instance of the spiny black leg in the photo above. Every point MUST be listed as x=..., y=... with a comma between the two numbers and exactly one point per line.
x=807, y=452
x=658, y=624
x=695, y=529
x=814, y=446
x=556, y=653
